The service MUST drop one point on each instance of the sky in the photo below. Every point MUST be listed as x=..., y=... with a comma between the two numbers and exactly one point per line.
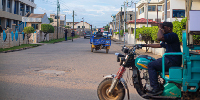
x=95, y=12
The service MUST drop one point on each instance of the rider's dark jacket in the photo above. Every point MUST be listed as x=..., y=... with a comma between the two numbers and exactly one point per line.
x=172, y=44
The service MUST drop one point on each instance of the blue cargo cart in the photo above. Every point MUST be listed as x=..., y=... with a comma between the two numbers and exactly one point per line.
x=98, y=41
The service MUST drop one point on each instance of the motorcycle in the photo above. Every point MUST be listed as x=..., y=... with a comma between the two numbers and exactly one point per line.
x=113, y=87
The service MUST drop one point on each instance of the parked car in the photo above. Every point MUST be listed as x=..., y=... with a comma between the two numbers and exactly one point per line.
x=87, y=34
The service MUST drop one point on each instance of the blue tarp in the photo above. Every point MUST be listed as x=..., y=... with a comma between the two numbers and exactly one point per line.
x=12, y=35
x=16, y=35
x=4, y=35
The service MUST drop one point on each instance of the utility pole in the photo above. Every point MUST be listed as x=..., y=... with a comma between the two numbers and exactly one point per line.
x=165, y=10
x=83, y=24
x=126, y=13
x=135, y=25
x=121, y=23
x=115, y=23
x=124, y=20
x=147, y=12
x=58, y=7
x=73, y=20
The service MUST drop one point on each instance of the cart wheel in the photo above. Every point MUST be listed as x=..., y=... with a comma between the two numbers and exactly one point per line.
x=91, y=49
x=107, y=50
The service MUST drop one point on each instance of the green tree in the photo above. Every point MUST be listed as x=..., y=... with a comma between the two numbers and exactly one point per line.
x=67, y=26
x=106, y=28
x=51, y=20
x=154, y=31
x=47, y=28
x=28, y=30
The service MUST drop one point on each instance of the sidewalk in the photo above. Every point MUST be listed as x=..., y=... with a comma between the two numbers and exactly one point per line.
x=139, y=51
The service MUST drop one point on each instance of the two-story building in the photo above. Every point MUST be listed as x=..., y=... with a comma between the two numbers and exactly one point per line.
x=12, y=11
x=175, y=9
x=130, y=15
x=82, y=24
x=70, y=24
x=61, y=20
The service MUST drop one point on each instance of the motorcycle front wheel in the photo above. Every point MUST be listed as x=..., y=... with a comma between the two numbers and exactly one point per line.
x=102, y=90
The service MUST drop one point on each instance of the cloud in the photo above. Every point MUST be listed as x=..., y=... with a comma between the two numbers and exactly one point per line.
x=95, y=12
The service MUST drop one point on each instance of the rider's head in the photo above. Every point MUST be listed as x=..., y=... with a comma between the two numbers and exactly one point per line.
x=167, y=27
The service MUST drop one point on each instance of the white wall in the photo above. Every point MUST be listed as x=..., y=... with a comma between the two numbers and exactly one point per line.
x=81, y=24
x=45, y=19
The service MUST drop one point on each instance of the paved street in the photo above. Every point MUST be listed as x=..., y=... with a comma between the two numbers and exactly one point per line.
x=62, y=71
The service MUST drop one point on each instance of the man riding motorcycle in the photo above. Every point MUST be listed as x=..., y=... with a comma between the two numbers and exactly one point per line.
x=170, y=41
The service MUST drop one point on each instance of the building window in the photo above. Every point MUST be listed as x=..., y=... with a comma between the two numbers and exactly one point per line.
x=78, y=26
x=27, y=9
x=56, y=17
x=142, y=10
x=151, y=8
x=8, y=4
x=21, y=7
x=179, y=13
x=15, y=10
x=35, y=26
x=67, y=23
x=130, y=17
x=83, y=26
x=159, y=8
x=8, y=23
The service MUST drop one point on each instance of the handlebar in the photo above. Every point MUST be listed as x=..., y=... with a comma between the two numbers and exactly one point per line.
x=126, y=49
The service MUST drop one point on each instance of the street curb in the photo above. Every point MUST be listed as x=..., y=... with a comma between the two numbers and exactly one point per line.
x=20, y=49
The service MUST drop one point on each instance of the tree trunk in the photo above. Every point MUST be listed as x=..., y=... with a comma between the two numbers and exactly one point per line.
x=45, y=35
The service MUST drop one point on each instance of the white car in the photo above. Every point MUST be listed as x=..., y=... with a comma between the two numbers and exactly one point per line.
x=105, y=33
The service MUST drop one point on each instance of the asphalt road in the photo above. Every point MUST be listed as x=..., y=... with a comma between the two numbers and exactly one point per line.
x=62, y=71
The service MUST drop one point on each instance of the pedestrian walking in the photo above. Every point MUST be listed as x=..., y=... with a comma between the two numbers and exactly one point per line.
x=66, y=34
x=72, y=34
x=1, y=30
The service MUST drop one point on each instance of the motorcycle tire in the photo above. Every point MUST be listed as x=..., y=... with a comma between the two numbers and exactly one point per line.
x=118, y=93
x=91, y=49
x=107, y=50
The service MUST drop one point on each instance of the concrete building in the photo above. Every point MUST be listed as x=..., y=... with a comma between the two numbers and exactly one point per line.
x=12, y=11
x=175, y=9
x=61, y=20
x=70, y=24
x=130, y=15
x=80, y=25
x=35, y=20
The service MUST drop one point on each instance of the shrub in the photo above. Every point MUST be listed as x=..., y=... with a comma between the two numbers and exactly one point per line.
x=51, y=20
x=28, y=30
x=47, y=28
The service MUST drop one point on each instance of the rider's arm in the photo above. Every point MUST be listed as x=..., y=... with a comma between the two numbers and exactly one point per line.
x=160, y=36
x=152, y=45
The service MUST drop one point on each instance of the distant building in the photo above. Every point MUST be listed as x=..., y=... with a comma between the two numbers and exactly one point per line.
x=80, y=25
x=70, y=24
x=12, y=11
x=130, y=15
x=61, y=20
x=175, y=9
x=35, y=20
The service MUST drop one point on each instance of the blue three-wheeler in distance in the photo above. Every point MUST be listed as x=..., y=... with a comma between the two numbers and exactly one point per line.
x=100, y=41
